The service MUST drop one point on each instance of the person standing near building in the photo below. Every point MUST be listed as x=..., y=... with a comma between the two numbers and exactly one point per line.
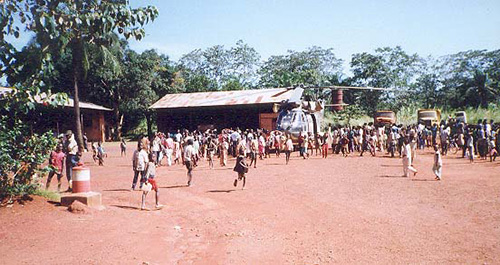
x=406, y=153
x=189, y=159
x=71, y=149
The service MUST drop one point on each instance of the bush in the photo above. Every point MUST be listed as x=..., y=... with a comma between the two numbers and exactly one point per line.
x=22, y=152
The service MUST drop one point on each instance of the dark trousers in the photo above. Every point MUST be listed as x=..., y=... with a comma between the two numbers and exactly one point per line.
x=71, y=161
x=136, y=175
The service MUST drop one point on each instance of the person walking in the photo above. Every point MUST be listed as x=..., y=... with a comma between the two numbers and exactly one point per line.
x=241, y=168
x=438, y=163
x=406, y=154
x=150, y=183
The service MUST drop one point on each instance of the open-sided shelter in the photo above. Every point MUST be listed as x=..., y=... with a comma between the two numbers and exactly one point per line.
x=220, y=109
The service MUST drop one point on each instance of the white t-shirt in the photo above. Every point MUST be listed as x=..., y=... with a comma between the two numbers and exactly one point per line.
x=289, y=145
x=188, y=153
x=142, y=160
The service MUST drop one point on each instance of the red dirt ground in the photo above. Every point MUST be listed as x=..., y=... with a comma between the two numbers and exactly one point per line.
x=354, y=210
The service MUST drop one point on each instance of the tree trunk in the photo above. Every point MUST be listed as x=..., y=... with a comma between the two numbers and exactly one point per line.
x=148, y=122
x=76, y=61
x=116, y=113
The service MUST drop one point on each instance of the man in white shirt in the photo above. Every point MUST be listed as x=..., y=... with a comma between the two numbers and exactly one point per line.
x=71, y=149
x=406, y=153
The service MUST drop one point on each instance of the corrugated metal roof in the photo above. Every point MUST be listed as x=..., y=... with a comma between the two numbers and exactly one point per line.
x=223, y=98
x=70, y=103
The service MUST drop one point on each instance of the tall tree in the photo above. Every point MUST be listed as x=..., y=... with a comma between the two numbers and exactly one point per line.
x=68, y=25
x=218, y=68
x=471, y=78
x=314, y=66
x=390, y=68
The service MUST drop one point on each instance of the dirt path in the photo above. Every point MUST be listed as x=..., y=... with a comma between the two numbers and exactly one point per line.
x=336, y=210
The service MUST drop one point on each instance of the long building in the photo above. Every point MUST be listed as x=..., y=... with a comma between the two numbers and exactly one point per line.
x=221, y=109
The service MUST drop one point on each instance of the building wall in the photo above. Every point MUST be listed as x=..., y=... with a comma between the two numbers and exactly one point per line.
x=95, y=126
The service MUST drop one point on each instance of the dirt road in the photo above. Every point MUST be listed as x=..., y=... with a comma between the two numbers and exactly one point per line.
x=356, y=210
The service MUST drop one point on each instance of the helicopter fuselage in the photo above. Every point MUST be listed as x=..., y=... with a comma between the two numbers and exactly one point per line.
x=297, y=120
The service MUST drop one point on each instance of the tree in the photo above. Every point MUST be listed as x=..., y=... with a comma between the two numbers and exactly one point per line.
x=471, y=78
x=315, y=66
x=389, y=68
x=23, y=151
x=65, y=25
x=217, y=68
x=349, y=113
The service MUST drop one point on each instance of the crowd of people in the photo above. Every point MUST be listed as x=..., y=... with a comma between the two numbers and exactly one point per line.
x=189, y=148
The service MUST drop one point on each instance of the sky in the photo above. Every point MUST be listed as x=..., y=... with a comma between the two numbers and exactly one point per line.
x=272, y=27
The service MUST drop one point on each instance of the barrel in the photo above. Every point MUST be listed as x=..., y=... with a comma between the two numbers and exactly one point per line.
x=81, y=179
x=338, y=99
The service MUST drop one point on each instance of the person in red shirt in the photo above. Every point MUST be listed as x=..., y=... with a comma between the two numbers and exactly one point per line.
x=56, y=163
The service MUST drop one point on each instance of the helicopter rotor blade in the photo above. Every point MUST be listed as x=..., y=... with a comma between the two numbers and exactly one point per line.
x=353, y=87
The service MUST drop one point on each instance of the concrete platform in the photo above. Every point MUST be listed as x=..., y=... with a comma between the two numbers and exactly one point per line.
x=91, y=199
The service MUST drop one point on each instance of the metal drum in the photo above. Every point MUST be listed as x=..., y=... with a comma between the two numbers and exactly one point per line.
x=81, y=179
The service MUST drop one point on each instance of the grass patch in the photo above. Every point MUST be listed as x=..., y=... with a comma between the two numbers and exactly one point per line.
x=51, y=195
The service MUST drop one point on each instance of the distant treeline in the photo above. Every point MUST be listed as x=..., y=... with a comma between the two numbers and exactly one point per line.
x=129, y=82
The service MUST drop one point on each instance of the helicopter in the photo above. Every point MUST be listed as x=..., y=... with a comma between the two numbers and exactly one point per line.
x=296, y=115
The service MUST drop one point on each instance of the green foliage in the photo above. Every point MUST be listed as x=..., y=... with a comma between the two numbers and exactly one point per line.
x=314, y=66
x=346, y=116
x=217, y=68
x=22, y=152
x=387, y=68
x=67, y=26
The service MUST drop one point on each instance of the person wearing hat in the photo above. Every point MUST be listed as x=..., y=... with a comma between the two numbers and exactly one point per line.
x=71, y=150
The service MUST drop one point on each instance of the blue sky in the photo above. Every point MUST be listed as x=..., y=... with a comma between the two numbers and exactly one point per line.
x=272, y=27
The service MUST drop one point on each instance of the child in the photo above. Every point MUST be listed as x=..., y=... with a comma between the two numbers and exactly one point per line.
x=150, y=183
x=438, y=163
x=94, y=151
x=100, y=154
x=241, y=168
x=123, y=147
x=56, y=162
x=470, y=147
x=493, y=150
x=254, y=146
